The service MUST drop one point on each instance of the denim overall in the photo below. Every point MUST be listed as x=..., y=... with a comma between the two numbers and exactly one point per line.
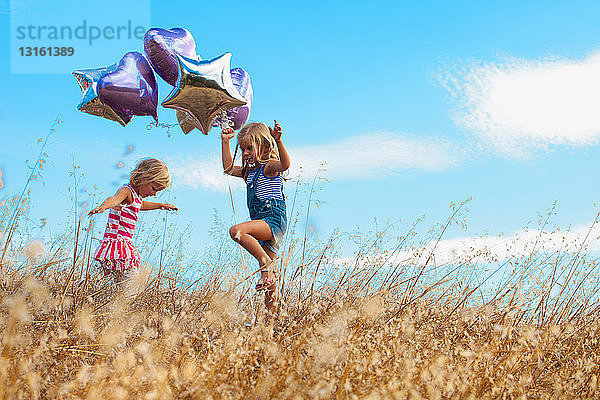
x=272, y=211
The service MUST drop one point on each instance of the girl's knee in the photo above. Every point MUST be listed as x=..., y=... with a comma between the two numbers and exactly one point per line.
x=235, y=233
x=264, y=261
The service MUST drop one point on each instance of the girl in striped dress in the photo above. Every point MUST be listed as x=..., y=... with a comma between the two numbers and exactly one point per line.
x=264, y=158
x=116, y=255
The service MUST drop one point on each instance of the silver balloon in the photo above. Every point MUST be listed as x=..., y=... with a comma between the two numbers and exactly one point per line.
x=236, y=117
x=185, y=122
x=90, y=102
x=204, y=89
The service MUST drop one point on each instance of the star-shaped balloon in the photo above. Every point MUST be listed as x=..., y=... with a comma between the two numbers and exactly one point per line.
x=203, y=90
x=90, y=102
x=186, y=123
x=235, y=117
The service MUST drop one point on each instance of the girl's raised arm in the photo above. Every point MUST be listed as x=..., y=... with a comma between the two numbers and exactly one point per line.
x=124, y=194
x=275, y=166
x=228, y=166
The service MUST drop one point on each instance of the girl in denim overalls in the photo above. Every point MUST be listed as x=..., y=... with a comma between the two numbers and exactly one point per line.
x=264, y=158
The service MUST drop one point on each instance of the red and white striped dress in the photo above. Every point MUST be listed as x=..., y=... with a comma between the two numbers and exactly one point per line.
x=116, y=251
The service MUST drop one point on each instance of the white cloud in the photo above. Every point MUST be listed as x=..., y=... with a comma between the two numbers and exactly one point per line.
x=205, y=172
x=522, y=105
x=375, y=154
x=520, y=244
x=483, y=249
x=357, y=157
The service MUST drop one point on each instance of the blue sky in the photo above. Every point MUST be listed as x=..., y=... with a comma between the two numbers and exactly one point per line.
x=412, y=106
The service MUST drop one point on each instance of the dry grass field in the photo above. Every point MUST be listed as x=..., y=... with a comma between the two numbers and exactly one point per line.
x=376, y=327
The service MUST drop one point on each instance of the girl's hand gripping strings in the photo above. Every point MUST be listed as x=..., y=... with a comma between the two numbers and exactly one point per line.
x=228, y=168
x=227, y=134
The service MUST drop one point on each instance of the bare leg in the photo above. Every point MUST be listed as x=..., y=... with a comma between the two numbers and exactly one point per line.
x=271, y=292
x=247, y=234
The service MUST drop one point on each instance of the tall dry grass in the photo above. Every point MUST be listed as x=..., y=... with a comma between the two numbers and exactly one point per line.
x=367, y=329
x=393, y=321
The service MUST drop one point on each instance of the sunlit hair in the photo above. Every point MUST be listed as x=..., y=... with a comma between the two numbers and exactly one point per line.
x=151, y=170
x=257, y=134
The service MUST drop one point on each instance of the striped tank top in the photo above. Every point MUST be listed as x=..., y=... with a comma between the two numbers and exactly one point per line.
x=266, y=187
x=116, y=243
x=122, y=218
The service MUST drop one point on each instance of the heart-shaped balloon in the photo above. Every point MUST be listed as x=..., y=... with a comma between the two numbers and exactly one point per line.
x=163, y=45
x=131, y=88
x=239, y=115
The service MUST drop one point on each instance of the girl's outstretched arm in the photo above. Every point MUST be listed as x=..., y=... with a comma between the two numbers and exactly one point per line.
x=148, y=205
x=228, y=166
x=122, y=196
x=273, y=167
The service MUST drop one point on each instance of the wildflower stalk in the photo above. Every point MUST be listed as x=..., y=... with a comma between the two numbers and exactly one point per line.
x=15, y=215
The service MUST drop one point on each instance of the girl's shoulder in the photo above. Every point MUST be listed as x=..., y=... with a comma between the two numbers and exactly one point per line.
x=267, y=171
x=130, y=194
x=132, y=190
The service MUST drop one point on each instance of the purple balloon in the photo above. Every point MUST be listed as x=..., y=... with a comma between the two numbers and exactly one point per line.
x=239, y=115
x=162, y=46
x=131, y=89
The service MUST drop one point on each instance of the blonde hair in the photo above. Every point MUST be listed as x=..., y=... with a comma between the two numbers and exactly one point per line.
x=265, y=148
x=151, y=170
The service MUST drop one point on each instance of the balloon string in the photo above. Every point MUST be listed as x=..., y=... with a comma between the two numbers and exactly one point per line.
x=237, y=146
x=157, y=124
x=223, y=122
